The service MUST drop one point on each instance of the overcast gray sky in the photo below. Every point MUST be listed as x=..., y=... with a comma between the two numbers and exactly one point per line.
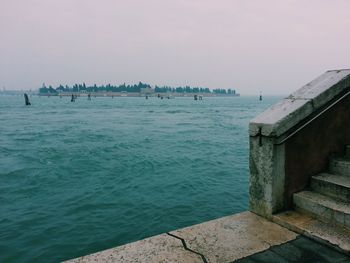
x=275, y=46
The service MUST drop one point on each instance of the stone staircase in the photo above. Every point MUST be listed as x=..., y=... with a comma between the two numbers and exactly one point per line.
x=329, y=196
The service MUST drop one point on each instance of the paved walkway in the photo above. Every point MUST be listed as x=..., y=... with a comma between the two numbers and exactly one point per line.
x=243, y=237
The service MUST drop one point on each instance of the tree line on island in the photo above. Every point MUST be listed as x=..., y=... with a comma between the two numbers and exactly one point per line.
x=130, y=88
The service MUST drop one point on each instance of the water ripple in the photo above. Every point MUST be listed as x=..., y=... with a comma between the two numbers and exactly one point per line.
x=79, y=177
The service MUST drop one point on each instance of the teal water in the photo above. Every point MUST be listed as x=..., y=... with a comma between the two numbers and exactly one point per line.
x=76, y=178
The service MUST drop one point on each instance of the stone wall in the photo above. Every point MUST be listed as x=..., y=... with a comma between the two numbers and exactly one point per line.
x=292, y=140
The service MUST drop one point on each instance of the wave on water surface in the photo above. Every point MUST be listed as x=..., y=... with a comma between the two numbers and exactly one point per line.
x=76, y=178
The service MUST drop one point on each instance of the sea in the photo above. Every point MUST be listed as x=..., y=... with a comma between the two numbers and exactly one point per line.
x=84, y=176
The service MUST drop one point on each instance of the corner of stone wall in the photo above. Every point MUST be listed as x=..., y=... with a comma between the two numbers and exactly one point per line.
x=275, y=168
x=266, y=186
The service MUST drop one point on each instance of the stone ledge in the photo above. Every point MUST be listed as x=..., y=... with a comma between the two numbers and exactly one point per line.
x=282, y=116
x=161, y=248
x=222, y=240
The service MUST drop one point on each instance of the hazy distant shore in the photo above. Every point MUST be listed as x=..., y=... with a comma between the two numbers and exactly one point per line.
x=136, y=94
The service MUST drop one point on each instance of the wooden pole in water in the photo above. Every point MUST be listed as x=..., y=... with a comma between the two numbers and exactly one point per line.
x=26, y=99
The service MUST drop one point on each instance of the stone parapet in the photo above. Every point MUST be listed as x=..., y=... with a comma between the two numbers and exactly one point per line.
x=293, y=109
x=292, y=140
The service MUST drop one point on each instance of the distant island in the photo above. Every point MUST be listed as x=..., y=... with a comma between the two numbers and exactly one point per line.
x=136, y=90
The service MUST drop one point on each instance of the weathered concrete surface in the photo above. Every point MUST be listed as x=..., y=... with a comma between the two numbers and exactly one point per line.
x=287, y=113
x=324, y=88
x=324, y=207
x=347, y=152
x=266, y=186
x=340, y=166
x=332, y=185
x=161, y=248
x=233, y=237
x=222, y=240
x=280, y=117
x=313, y=228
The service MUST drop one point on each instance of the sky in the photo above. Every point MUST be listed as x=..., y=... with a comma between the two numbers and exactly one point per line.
x=272, y=46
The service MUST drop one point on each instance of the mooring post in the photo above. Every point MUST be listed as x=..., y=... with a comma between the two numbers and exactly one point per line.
x=26, y=99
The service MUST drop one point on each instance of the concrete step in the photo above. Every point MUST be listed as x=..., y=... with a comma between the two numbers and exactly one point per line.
x=336, y=186
x=311, y=227
x=323, y=207
x=340, y=166
x=347, y=152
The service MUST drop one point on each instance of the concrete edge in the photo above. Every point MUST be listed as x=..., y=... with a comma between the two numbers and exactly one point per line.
x=291, y=110
x=224, y=239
